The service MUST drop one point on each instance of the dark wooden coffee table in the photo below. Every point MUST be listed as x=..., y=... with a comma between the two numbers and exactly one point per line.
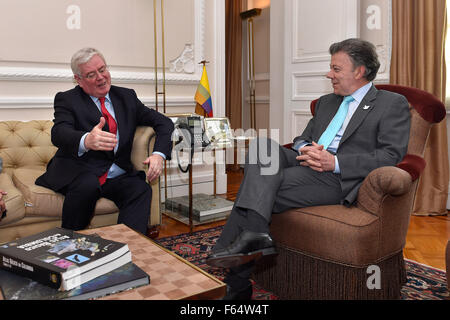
x=172, y=277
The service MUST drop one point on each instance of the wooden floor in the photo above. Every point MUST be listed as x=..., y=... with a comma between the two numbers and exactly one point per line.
x=427, y=239
x=425, y=242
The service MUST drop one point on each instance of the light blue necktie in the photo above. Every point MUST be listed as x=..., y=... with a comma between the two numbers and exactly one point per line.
x=328, y=135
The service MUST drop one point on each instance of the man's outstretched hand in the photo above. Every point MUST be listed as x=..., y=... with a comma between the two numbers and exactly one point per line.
x=100, y=140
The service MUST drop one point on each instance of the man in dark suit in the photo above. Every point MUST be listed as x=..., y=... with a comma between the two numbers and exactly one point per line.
x=353, y=131
x=93, y=129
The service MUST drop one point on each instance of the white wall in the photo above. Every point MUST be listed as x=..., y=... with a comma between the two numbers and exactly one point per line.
x=39, y=37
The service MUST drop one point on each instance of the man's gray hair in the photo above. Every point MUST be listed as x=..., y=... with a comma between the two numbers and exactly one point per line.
x=362, y=53
x=83, y=56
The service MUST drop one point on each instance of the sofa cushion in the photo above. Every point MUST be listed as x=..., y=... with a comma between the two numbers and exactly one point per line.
x=15, y=204
x=334, y=233
x=25, y=144
x=41, y=201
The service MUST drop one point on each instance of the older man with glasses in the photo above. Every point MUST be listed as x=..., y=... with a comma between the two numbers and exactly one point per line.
x=94, y=126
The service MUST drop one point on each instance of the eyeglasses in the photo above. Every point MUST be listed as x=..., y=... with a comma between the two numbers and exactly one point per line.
x=94, y=74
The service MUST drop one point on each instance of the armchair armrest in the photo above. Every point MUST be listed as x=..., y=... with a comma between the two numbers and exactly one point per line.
x=413, y=164
x=144, y=140
x=380, y=183
x=142, y=146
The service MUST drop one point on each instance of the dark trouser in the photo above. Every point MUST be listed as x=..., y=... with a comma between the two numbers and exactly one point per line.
x=273, y=182
x=130, y=193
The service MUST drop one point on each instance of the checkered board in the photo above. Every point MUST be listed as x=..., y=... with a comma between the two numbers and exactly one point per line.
x=171, y=277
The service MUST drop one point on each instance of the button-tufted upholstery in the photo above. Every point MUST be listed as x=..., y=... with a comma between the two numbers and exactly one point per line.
x=26, y=148
x=25, y=144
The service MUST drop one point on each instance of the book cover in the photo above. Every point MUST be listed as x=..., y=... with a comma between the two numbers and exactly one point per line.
x=202, y=205
x=129, y=276
x=96, y=272
x=62, y=258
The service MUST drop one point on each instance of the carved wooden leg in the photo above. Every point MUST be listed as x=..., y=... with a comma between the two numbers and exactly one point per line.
x=152, y=232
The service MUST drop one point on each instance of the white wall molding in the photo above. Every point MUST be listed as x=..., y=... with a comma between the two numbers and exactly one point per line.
x=309, y=85
x=26, y=102
x=65, y=75
x=184, y=63
x=306, y=54
x=345, y=12
x=47, y=102
x=25, y=73
x=300, y=119
x=35, y=74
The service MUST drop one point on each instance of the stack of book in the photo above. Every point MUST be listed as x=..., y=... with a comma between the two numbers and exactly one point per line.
x=64, y=260
x=205, y=207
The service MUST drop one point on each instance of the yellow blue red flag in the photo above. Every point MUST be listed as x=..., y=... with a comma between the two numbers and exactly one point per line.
x=203, y=97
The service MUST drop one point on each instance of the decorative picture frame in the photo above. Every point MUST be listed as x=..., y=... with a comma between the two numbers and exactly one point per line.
x=218, y=131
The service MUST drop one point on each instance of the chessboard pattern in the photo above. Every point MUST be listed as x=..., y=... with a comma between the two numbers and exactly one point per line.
x=171, y=277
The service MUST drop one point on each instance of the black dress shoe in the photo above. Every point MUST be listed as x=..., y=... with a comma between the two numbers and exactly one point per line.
x=243, y=294
x=248, y=246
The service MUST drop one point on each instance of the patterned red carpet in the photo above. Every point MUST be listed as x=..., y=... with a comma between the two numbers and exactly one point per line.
x=423, y=283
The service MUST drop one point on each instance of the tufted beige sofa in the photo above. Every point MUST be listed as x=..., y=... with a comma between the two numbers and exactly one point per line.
x=26, y=148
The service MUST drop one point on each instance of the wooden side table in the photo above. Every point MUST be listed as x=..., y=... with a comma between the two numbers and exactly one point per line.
x=189, y=219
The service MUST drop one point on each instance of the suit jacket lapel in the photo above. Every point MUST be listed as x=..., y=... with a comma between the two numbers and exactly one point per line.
x=333, y=108
x=91, y=109
x=363, y=109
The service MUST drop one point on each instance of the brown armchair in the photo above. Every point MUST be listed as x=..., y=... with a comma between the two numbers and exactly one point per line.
x=335, y=252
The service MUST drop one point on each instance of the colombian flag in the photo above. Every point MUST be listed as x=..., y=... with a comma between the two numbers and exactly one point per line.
x=203, y=97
